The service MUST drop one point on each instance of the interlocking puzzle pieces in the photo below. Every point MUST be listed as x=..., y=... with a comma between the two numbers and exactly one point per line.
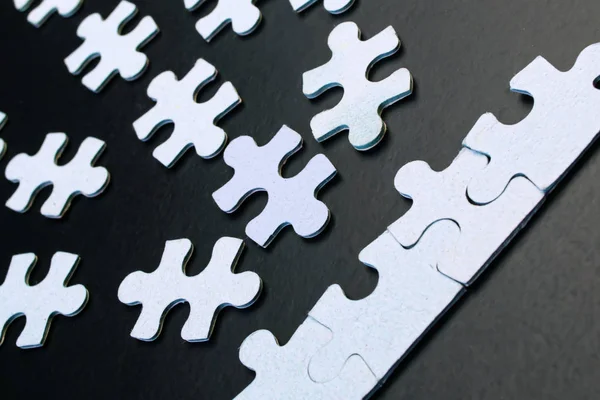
x=332, y=6
x=282, y=371
x=45, y=8
x=243, y=15
x=79, y=176
x=39, y=303
x=360, y=109
x=3, y=120
x=383, y=327
x=118, y=53
x=563, y=123
x=484, y=229
x=194, y=122
x=291, y=200
x=207, y=293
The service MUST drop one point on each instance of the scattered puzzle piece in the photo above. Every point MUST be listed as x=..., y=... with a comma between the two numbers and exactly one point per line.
x=207, y=293
x=332, y=6
x=243, y=15
x=282, y=371
x=3, y=120
x=118, y=53
x=194, y=122
x=563, y=123
x=79, y=176
x=359, y=111
x=45, y=8
x=291, y=200
x=39, y=303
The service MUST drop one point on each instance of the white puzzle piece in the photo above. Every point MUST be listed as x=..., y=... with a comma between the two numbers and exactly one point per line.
x=291, y=200
x=359, y=111
x=332, y=6
x=79, y=176
x=442, y=195
x=382, y=328
x=282, y=371
x=45, y=8
x=39, y=303
x=207, y=293
x=194, y=122
x=563, y=123
x=243, y=15
x=118, y=53
x=3, y=120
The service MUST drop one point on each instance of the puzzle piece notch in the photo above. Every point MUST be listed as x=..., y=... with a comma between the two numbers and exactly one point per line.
x=282, y=371
x=35, y=172
x=118, y=53
x=564, y=122
x=207, y=293
x=291, y=200
x=410, y=296
x=194, y=122
x=39, y=14
x=3, y=120
x=332, y=6
x=39, y=303
x=439, y=196
x=243, y=15
x=360, y=109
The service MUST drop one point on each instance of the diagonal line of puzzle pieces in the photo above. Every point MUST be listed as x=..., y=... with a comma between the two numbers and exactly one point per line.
x=39, y=14
x=332, y=6
x=243, y=16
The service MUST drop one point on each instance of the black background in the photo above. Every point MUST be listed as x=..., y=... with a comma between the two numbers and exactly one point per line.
x=528, y=329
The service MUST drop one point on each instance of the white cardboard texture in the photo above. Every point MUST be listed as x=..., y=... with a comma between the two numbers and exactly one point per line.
x=118, y=53
x=39, y=303
x=332, y=6
x=359, y=111
x=291, y=200
x=45, y=8
x=243, y=15
x=207, y=293
x=194, y=122
x=79, y=176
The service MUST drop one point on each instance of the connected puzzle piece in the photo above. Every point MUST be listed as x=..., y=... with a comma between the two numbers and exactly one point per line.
x=282, y=371
x=291, y=200
x=45, y=8
x=383, y=327
x=563, y=123
x=3, y=120
x=118, y=53
x=79, y=176
x=194, y=122
x=207, y=293
x=359, y=111
x=39, y=303
x=332, y=6
x=243, y=15
x=442, y=195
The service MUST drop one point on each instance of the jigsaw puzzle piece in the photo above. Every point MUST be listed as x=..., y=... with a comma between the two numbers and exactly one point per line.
x=564, y=121
x=243, y=15
x=45, y=8
x=332, y=6
x=3, y=120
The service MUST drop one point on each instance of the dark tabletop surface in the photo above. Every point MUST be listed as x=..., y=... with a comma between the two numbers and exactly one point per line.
x=528, y=328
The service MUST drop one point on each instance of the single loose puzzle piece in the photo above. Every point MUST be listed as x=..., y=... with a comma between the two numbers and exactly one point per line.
x=45, y=8
x=3, y=120
x=382, y=328
x=442, y=195
x=118, y=53
x=333, y=6
x=282, y=371
x=194, y=122
x=79, y=176
x=563, y=123
x=207, y=293
x=291, y=200
x=243, y=15
x=39, y=303
x=359, y=111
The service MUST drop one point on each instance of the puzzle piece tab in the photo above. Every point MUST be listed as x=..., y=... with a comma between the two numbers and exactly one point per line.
x=194, y=122
x=39, y=303
x=359, y=111
x=207, y=293
x=563, y=123
x=243, y=15
x=118, y=53
x=332, y=6
x=79, y=176
x=45, y=8
x=291, y=200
